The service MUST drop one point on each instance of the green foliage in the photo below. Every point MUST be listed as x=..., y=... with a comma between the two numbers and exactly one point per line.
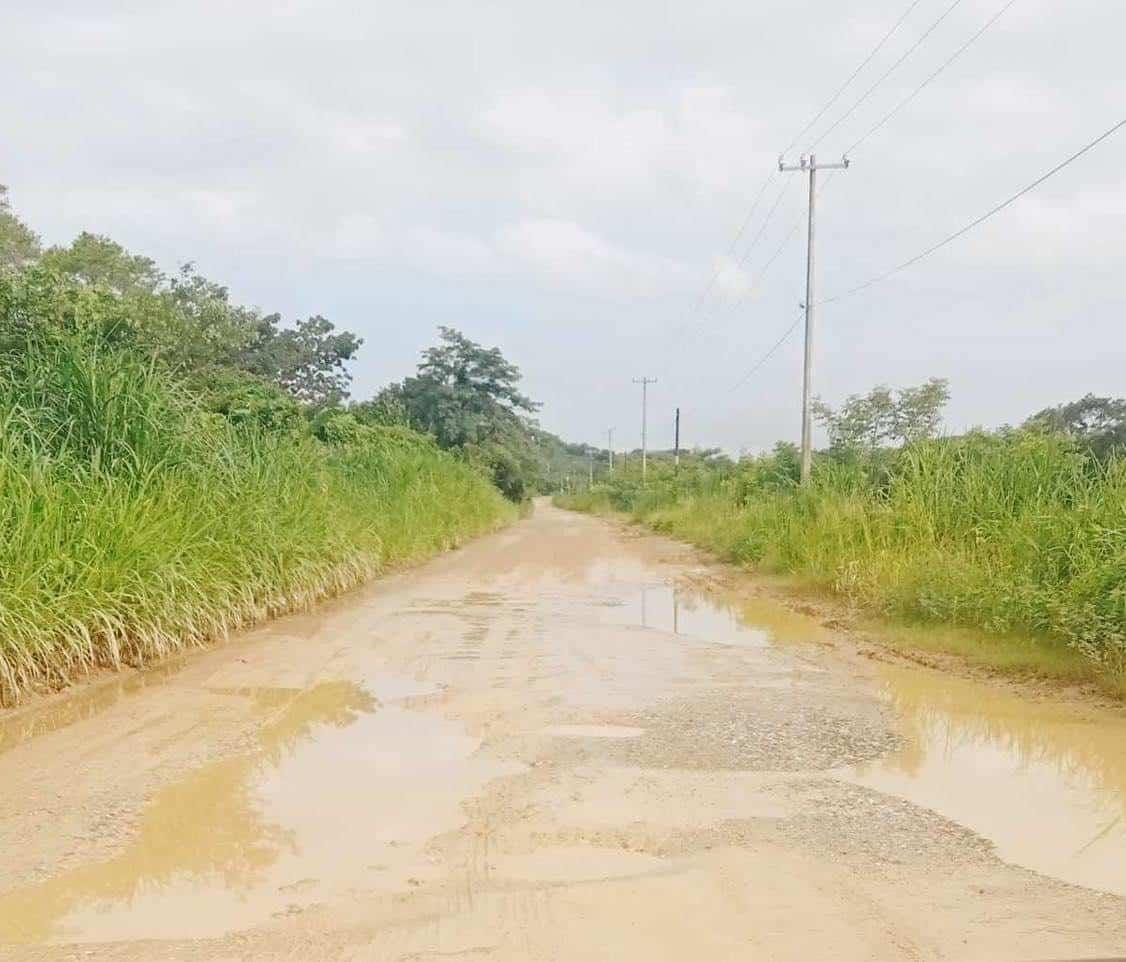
x=465, y=396
x=1096, y=423
x=19, y=244
x=885, y=417
x=96, y=261
x=308, y=360
x=190, y=323
x=141, y=512
x=245, y=399
x=1017, y=531
x=463, y=393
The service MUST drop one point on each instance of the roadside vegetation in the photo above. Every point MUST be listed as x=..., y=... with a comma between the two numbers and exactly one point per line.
x=1020, y=532
x=174, y=466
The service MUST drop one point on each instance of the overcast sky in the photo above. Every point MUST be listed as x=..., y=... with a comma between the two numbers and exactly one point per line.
x=562, y=180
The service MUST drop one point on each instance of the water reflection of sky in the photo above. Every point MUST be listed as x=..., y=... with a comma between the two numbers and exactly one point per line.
x=1044, y=781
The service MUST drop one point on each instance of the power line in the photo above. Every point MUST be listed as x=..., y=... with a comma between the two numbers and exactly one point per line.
x=864, y=63
x=781, y=247
x=980, y=220
x=895, y=66
x=730, y=252
x=686, y=324
x=918, y=90
x=770, y=353
x=701, y=320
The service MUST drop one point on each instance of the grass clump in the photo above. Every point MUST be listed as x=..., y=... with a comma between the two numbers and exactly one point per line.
x=138, y=517
x=1018, y=533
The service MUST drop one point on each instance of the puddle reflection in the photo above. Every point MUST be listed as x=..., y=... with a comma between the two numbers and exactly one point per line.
x=316, y=809
x=1045, y=782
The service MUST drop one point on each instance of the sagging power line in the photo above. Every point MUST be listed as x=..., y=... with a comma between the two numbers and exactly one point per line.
x=949, y=239
x=884, y=76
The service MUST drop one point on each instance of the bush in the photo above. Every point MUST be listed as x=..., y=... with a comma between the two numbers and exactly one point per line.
x=140, y=513
x=1019, y=531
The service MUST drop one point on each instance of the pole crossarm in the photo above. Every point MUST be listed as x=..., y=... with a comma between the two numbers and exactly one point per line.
x=810, y=163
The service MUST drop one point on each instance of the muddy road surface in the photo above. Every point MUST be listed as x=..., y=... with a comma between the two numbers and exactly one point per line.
x=557, y=744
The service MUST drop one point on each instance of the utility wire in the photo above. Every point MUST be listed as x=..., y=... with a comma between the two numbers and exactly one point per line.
x=768, y=355
x=864, y=63
x=687, y=328
x=918, y=90
x=980, y=220
x=730, y=252
x=790, y=330
x=887, y=73
x=686, y=323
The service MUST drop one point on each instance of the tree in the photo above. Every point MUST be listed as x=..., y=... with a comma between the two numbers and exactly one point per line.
x=1098, y=423
x=308, y=360
x=97, y=261
x=885, y=417
x=19, y=244
x=466, y=396
x=464, y=393
x=190, y=323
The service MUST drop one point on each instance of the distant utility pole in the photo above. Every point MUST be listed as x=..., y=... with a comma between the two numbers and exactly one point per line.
x=591, y=482
x=676, y=455
x=610, y=447
x=809, y=163
x=644, y=382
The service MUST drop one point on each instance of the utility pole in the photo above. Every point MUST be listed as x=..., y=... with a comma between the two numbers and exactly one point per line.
x=810, y=164
x=610, y=447
x=590, y=483
x=644, y=382
x=676, y=455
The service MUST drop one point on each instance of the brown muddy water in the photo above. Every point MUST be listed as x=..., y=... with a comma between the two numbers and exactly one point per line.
x=1045, y=781
x=481, y=728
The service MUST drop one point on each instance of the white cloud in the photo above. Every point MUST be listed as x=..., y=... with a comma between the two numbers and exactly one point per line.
x=731, y=280
x=356, y=236
x=446, y=252
x=575, y=257
x=507, y=166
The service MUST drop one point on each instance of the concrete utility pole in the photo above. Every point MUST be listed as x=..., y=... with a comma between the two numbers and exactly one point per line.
x=644, y=382
x=590, y=483
x=809, y=163
x=610, y=447
x=676, y=455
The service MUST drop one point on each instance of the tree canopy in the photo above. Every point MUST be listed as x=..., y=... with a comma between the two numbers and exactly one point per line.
x=19, y=244
x=1098, y=423
x=885, y=417
x=184, y=319
x=467, y=397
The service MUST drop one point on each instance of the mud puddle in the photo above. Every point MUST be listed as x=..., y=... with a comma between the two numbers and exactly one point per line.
x=713, y=618
x=77, y=706
x=1045, y=782
x=321, y=808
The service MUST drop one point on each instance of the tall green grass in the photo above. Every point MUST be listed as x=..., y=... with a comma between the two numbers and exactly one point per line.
x=1014, y=533
x=134, y=523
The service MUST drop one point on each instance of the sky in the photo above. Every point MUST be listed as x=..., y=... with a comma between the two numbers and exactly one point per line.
x=567, y=182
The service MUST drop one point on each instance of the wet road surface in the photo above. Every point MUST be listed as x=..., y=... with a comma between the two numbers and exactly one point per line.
x=550, y=745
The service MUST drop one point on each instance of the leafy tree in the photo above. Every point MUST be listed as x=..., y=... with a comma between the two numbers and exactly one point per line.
x=308, y=360
x=1098, y=423
x=190, y=323
x=19, y=244
x=466, y=396
x=884, y=417
x=97, y=261
x=243, y=398
x=463, y=393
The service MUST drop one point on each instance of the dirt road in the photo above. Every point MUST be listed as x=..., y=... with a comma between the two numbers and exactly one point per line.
x=549, y=746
